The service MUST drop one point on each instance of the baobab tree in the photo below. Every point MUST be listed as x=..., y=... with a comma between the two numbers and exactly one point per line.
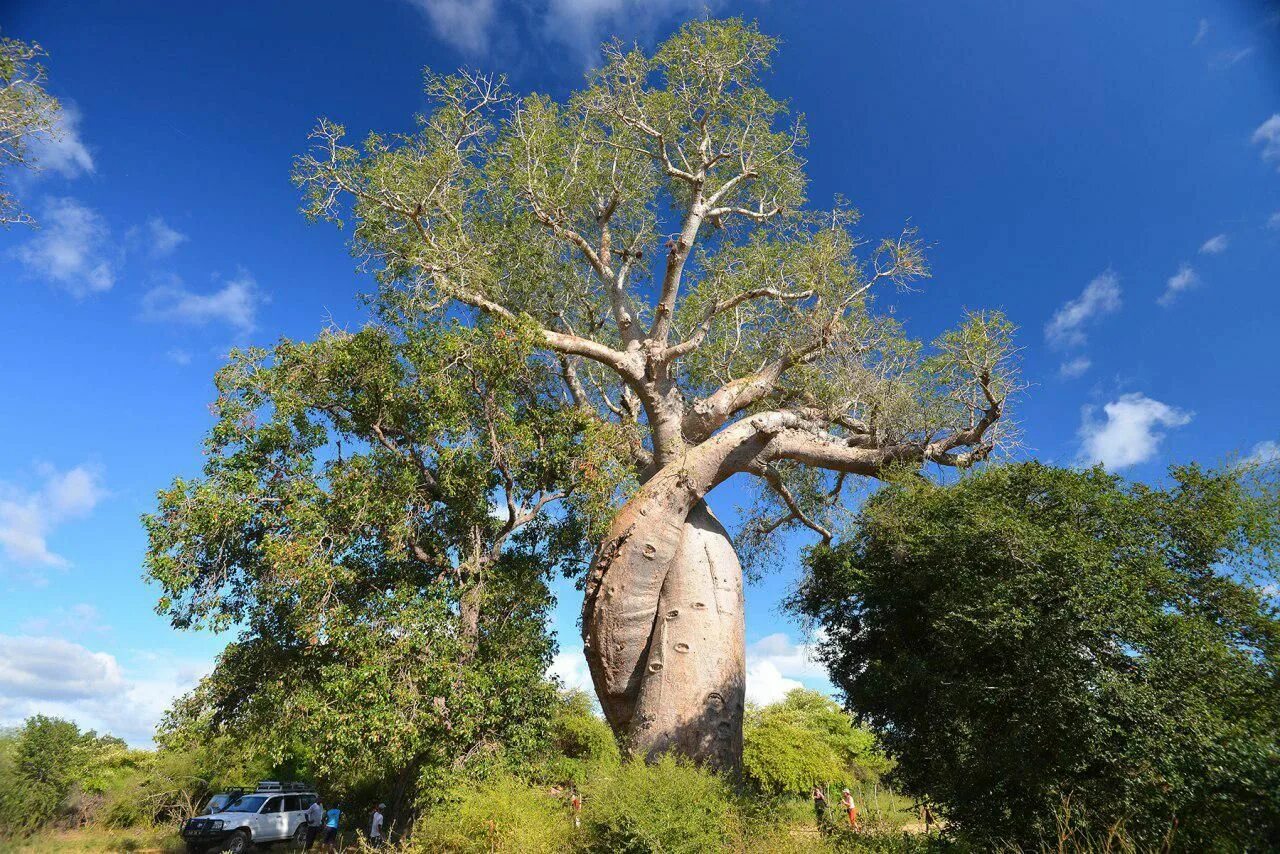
x=651, y=233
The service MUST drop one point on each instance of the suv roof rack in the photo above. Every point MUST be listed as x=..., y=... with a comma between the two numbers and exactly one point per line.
x=277, y=786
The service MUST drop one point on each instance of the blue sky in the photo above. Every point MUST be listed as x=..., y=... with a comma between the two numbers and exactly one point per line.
x=1106, y=173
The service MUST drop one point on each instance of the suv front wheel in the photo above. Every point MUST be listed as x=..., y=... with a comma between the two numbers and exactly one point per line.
x=300, y=837
x=239, y=843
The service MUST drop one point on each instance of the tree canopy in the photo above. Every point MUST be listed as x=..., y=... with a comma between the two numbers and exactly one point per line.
x=1032, y=637
x=379, y=516
x=652, y=232
x=27, y=112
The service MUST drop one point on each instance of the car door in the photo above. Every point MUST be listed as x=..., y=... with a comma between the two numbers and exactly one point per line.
x=293, y=815
x=272, y=819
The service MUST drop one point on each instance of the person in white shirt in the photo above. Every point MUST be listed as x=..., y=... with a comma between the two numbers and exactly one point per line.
x=375, y=828
x=315, y=818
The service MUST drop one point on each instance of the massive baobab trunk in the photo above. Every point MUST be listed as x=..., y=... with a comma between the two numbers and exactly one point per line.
x=685, y=691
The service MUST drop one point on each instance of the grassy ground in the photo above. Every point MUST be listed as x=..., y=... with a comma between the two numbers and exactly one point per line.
x=160, y=839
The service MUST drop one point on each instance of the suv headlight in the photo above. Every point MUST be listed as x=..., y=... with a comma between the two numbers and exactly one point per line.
x=217, y=824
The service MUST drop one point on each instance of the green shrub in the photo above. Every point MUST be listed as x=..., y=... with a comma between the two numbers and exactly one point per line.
x=666, y=808
x=503, y=814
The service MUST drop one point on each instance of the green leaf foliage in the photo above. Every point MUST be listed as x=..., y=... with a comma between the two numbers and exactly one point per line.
x=1034, y=638
x=804, y=740
x=378, y=517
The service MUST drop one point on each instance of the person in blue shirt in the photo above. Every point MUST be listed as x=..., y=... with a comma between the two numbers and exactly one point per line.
x=331, y=819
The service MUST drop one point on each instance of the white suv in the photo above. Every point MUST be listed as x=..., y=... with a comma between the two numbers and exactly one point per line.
x=256, y=817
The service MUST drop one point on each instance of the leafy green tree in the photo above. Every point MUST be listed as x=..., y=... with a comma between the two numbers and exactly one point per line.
x=1033, y=637
x=27, y=112
x=804, y=740
x=650, y=232
x=379, y=515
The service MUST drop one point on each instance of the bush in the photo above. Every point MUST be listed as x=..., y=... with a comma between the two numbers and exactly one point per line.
x=667, y=807
x=501, y=814
x=806, y=739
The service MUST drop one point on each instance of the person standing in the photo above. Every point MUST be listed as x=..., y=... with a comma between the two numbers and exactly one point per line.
x=375, y=827
x=315, y=823
x=819, y=805
x=331, y=819
x=846, y=801
x=575, y=804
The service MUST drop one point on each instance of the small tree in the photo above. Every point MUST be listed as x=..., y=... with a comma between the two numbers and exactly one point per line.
x=1032, y=637
x=803, y=740
x=651, y=234
x=27, y=112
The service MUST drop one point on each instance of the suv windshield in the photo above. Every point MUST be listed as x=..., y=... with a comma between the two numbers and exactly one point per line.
x=248, y=803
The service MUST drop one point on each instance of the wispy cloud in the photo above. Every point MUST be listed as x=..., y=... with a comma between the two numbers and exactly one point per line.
x=234, y=304
x=64, y=152
x=1100, y=297
x=1215, y=245
x=1273, y=221
x=1263, y=453
x=465, y=24
x=1130, y=431
x=1184, y=280
x=1268, y=136
x=1073, y=368
x=28, y=517
x=1202, y=30
x=72, y=250
x=1228, y=58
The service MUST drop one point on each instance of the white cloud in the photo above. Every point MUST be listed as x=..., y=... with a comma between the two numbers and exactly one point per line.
x=583, y=24
x=162, y=239
x=28, y=518
x=1202, y=30
x=776, y=666
x=1228, y=58
x=1215, y=245
x=235, y=304
x=178, y=356
x=1130, y=433
x=766, y=684
x=1101, y=296
x=1073, y=368
x=1183, y=280
x=1268, y=136
x=1273, y=221
x=64, y=152
x=465, y=24
x=54, y=669
x=72, y=249
x=53, y=676
x=1263, y=453
x=571, y=669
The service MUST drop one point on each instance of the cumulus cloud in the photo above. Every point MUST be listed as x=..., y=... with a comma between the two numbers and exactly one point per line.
x=29, y=517
x=1268, y=136
x=234, y=304
x=71, y=250
x=1129, y=432
x=1183, y=280
x=776, y=665
x=464, y=24
x=64, y=152
x=53, y=676
x=1215, y=245
x=1073, y=368
x=1100, y=297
